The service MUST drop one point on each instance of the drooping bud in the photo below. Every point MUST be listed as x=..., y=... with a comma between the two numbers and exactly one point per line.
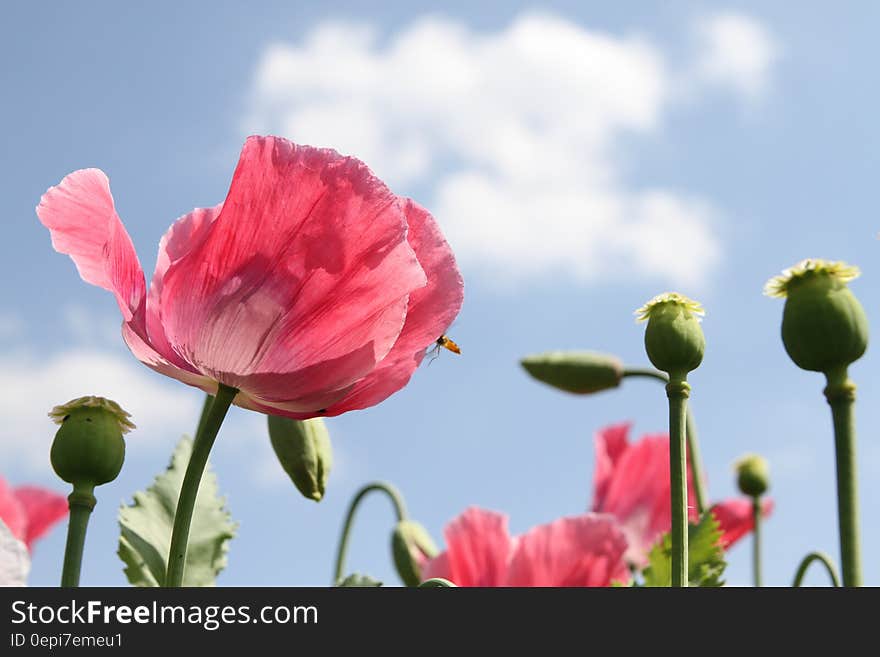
x=752, y=475
x=580, y=372
x=304, y=451
x=674, y=339
x=412, y=548
x=824, y=327
x=88, y=449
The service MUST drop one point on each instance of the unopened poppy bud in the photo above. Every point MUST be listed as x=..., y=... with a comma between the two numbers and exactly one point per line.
x=412, y=547
x=824, y=327
x=580, y=372
x=752, y=475
x=88, y=449
x=304, y=451
x=674, y=339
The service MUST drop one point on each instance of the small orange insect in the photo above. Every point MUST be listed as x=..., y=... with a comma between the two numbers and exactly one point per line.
x=447, y=343
x=443, y=342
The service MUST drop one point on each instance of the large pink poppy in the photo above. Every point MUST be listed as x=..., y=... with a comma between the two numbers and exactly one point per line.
x=582, y=550
x=30, y=511
x=631, y=482
x=312, y=289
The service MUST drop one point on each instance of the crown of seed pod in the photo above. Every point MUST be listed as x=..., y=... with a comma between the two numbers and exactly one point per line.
x=752, y=474
x=824, y=327
x=674, y=339
x=88, y=449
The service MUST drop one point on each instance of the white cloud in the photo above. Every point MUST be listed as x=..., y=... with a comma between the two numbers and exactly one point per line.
x=736, y=52
x=512, y=138
x=33, y=384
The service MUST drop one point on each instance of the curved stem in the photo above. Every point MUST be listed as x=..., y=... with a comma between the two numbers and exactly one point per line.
x=202, y=445
x=81, y=502
x=841, y=395
x=437, y=583
x=756, y=540
x=399, y=510
x=822, y=558
x=677, y=390
x=693, y=444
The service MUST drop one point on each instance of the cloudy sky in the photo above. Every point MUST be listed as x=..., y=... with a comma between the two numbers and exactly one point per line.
x=581, y=157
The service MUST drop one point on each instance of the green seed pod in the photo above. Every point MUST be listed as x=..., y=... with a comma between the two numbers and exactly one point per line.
x=752, y=475
x=303, y=448
x=824, y=327
x=411, y=547
x=580, y=372
x=88, y=449
x=674, y=339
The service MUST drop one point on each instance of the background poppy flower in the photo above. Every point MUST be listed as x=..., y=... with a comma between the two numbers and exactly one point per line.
x=631, y=482
x=30, y=511
x=582, y=550
x=312, y=289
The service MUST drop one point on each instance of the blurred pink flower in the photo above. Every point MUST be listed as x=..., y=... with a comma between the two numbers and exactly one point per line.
x=30, y=511
x=582, y=550
x=312, y=289
x=631, y=482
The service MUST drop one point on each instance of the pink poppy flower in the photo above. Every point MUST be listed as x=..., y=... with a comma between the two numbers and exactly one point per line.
x=631, y=482
x=30, y=511
x=312, y=288
x=582, y=550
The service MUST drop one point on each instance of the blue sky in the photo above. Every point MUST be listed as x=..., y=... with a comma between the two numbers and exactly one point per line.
x=581, y=158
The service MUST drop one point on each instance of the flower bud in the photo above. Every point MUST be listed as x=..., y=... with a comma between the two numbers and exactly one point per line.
x=412, y=547
x=674, y=340
x=580, y=372
x=824, y=327
x=304, y=451
x=88, y=449
x=752, y=475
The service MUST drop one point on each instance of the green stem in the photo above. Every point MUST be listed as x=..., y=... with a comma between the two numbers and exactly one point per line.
x=399, y=510
x=822, y=558
x=677, y=390
x=756, y=540
x=201, y=448
x=81, y=502
x=206, y=409
x=841, y=395
x=693, y=444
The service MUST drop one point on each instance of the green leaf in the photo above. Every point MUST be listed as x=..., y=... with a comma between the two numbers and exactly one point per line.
x=705, y=556
x=358, y=580
x=145, y=538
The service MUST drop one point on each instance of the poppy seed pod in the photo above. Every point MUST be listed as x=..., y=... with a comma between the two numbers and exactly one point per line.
x=411, y=547
x=824, y=327
x=674, y=339
x=88, y=449
x=580, y=372
x=752, y=475
x=304, y=451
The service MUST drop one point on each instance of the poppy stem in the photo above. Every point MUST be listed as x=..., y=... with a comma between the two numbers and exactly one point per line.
x=822, y=558
x=692, y=443
x=209, y=426
x=81, y=502
x=399, y=510
x=841, y=395
x=678, y=390
x=756, y=541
